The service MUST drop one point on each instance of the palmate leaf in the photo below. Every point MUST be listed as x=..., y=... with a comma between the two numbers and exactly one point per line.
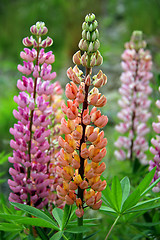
x=37, y=213
x=119, y=195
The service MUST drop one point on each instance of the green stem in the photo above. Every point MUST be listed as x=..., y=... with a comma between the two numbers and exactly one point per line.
x=80, y=223
x=112, y=227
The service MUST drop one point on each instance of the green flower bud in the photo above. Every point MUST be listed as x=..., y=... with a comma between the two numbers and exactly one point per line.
x=91, y=27
x=88, y=36
x=87, y=18
x=94, y=36
x=84, y=26
x=90, y=48
x=92, y=17
x=84, y=35
x=97, y=33
x=95, y=24
x=96, y=45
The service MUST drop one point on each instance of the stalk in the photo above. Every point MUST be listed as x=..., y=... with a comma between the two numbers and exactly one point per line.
x=31, y=123
x=133, y=114
x=113, y=225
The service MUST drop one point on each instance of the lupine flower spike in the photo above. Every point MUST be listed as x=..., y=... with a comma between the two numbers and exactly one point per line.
x=155, y=150
x=30, y=155
x=136, y=63
x=84, y=145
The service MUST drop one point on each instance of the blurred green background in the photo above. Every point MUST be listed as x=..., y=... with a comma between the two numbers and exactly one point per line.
x=117, y=19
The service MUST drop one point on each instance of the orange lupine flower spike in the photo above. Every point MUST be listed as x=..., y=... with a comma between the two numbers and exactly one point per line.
x=84, y=145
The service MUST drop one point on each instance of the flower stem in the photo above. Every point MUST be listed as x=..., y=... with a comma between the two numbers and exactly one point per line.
x=133, y=114
x=81, y=169
x=112, y=227
x=30, y=128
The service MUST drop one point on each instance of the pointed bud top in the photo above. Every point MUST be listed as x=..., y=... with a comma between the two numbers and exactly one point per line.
x=39, y=29
x=136, y=41
x=90, y=17
x=136, y=36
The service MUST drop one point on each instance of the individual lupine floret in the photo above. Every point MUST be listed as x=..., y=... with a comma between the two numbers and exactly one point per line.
x=155, y=150
x=136, y=63
x=83, y=147
x=30, y=155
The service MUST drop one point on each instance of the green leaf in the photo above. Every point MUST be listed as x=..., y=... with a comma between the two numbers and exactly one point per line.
x=146, y=181
x=150, y=187
x=116, y=193
x=108, y=197
x=58, y=215
x=41, y=233
x=78, y=229
x=4, y=158
x=93, y=234
x=11, y=236
x=30, y=237
x=2, y=180
x=145, y=205
x=66, y=215
x=2, y=173
x=131, y=200
x=107, y=209
x=57, y=236
x=9, y=227
x=125, y=185
x=35, y=212
x=73, y=214
x=27, y=220
x=146, y=224
x=91, y=220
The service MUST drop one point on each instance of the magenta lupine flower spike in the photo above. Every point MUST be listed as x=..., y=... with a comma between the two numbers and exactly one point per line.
x=84, y=145
x=136, y=63
x=30, y=147
x=155, y=150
